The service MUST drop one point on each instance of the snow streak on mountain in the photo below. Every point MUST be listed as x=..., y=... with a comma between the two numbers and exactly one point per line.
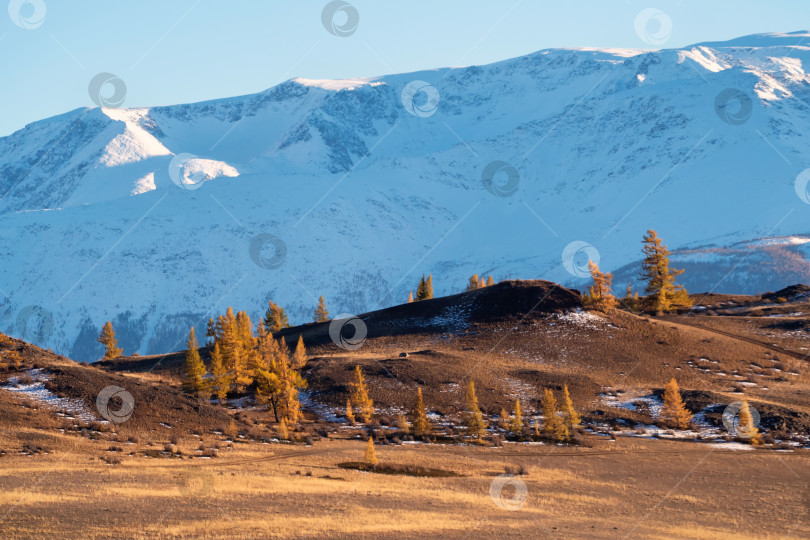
x=157, y=218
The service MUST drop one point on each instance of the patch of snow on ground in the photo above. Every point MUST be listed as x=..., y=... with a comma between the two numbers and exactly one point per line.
x=634, y=402
x=582, y=318
x=323, y=411
x=36, y=391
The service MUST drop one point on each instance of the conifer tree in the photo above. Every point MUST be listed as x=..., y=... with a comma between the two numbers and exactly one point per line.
x=236, y=346
x=291, y=383
x=516, y=423
x=246, y=355
x=663, y=294
x=536, y=428
x=210, y=333
x=321, y=313
x=299, y=358
x=283, y=431
x=420, y=422
x=360, y=397
x=490, y=281
x=628, y=300
x=674, y=411
x=572, y=418
x=474, y=420
x=269, y=389
x=504, y=419
x=599, y=296
x=226, y=338
x=370, y=456
x=278, y=386
x=349, y=412
x=275, y=318
x=420, y=289
x=195, y=381
x=481, y=283
x=745, y=425
x=553, y=426
x=244, y=330
x=107, y=338
x=425, y=289
x=219, y=375
x=473, y=283
x=402, y=424
x=410, y=297
x=262, y=356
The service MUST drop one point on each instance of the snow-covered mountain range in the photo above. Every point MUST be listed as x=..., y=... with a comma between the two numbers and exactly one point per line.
x=157, y=218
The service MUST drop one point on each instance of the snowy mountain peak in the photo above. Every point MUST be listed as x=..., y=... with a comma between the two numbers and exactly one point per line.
x=494, y=169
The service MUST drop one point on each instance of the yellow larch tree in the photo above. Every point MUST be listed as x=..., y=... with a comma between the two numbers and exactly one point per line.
x=370, y=456
x=360, y=397
x=107, y=338
x=419, y=419
x=572, y=418
x=553, y=426
x=673, y=411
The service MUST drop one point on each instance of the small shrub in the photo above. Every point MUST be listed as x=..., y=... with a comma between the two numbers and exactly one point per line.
x=516, y=470
x=32, y=449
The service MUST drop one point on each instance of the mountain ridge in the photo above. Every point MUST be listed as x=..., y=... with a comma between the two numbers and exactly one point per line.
x=599, y=144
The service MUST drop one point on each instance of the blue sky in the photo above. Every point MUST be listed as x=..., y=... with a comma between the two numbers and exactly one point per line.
x=190, y=50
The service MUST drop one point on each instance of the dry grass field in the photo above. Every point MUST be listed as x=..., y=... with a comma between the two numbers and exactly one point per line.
x=627, y=488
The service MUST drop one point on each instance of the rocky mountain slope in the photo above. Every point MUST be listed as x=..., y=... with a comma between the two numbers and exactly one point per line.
x=157, y=218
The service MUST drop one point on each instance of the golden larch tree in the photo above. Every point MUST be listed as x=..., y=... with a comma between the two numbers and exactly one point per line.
x=219, y=375
x=745, y=425
x=194, y=380
x=474, y=419
x=402, y=424
x=349, y=412
x=419, y=419
x=673, y=411
x=504, y=419
x=553, y=426
x=370, y=456
x=572, y=418
x=360, y=397
x=210, y=332
x=425, y=289
x=283, y=431
x=321, y=314
x=299, y=358
x=275, y=318
x=107, y=338
x=663, y=293
x=599, y=296
x=516, y=423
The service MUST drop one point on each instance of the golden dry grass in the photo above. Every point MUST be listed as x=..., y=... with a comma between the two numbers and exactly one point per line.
x=267, y=491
